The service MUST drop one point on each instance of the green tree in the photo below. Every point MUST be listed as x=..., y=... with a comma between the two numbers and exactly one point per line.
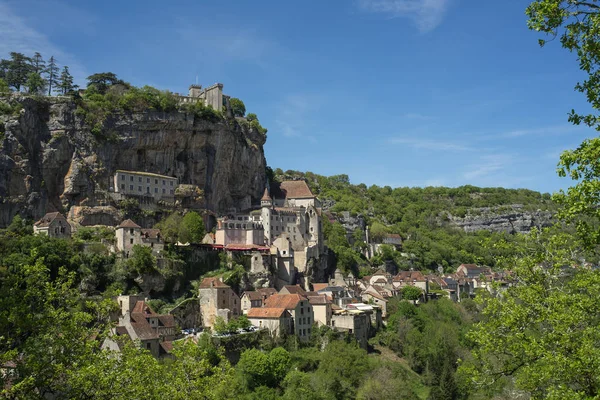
x=141, y=260
x=170, y=227
x=52, y=73
x=237, y=107
x=378, y=232
x=411, y=293
x=35, y=83
x=192, y=228
x=38, y=63
x=18, y=68
x=252, y=117
x=65, y=82
x=4, y=88
x=102, y=81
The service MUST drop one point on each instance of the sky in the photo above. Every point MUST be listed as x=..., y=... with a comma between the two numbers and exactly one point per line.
x=389, y=92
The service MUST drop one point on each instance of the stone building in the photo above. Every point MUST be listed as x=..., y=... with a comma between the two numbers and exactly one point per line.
x=300, y=309
x=138, y=321
x=137, y=183
x=211, y=96
x=255, y=299
x=240, y=229
x=128, y=234
x=217, y=299
x=54, y=225
x=275, y=320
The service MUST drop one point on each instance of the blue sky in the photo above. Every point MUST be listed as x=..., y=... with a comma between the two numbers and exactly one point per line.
x=390, y=92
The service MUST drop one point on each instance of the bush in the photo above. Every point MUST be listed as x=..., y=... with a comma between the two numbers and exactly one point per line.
x=237, y=107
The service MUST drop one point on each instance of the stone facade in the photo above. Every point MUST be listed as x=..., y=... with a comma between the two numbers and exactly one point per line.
x=136, y=183
x=54, y=225
x=217, y=299
x=211, y=96
x=128, y=234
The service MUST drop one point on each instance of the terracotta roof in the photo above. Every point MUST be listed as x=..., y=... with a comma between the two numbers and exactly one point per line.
x=121, y=330
x=151, y=233
x=377, y=295
x=144, y=331
x=167, y=320
x=267, y=291
x=206, y=283
x=166, y=346
x=318, y=300
x=291, y=190
x=260, y=293
x=319, y=286
x=266, y=196
x=287, y=301
x=294, y=289
x=47, y=219
x=409, y=276
x=141, y=307
x=252, y=295
x=266, y=312
x=128, y=224
x=393, y=235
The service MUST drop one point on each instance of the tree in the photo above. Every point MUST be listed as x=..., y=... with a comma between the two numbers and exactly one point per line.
x=251, y=117
x=411, y=293
x=19, y=67
x=38, y=63
x=4, y=89
x=378, y=232
x=35, y=83
x=52, y=73
x=141, y=261
x=102, y=81
x=65, y=82
x=237, y=107
x=191, y=229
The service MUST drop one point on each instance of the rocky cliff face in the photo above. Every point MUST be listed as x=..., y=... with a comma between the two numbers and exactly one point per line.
x=510, y=219
x=50, y=160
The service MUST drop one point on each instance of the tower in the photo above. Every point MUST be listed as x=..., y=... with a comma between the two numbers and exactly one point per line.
x=195, y=90
x=266, y=203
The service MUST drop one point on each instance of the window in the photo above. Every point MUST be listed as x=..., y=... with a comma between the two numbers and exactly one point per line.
x=131, y=231
x=164, y=182
x=139, y=179
x=155, y=190
x=130, y=187
x=131, y=178
x=131, y=241
x=148, y=346
x=147, y=180
x=309, y=331
x=171, y=191
x=156, y=181
x=152, y=244
x=171, y=183
x=123, y=186
x=139, y=188
x=301, y=310
x=147, y=189
x=122, y=177
x=164, y=191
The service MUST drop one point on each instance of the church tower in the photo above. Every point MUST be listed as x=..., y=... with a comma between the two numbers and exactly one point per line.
x=266, y=203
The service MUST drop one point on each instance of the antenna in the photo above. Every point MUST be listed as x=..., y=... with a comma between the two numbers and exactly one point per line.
x=196, y=79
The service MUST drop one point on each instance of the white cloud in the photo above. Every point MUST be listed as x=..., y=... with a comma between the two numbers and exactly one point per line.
x=19, y=36
x=426, y=14
x=430, y=144
x=489, y=165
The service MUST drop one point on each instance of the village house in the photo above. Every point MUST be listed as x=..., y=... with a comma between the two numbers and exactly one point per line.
x=411, y=278
x=128, y=234
x=378, y=296
x=275, y=320
x=321, y=306
x=355, y=321
x=300, y=309
x=217, y=300
x=138, y=183
x=255, y=299
x=138, y=321
x=53, y=224
x=471, y=271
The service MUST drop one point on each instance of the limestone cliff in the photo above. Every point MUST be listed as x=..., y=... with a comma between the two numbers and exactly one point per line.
x=50, y=160
x=510, y=219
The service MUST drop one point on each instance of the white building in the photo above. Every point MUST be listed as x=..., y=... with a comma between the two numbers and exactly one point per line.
x=136, y=183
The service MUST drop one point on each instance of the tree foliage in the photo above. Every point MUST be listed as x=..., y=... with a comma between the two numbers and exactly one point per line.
x=192, y=228
x=237, y=107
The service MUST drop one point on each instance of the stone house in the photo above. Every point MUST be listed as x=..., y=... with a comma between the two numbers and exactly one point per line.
x=128, y=234
x=276, y=320
x=138, y=321
x=300, y=309
x=472, y=271
x=217, y=299
x=377, y=296
x=355, y=322
x=321, y=309
x=138, y=183
x=255, y=299
x=54, y=225
x=411, y=278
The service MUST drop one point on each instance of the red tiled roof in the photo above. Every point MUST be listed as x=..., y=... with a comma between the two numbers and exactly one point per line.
x=47, y=219
x=319, y=286
x=318, y=300
x=141, y=307
x=266, y=196
x=267, y=291
x=206, y=283
x=409, y=276
x=151, y=233
x=128, y=224
x=287, y=301
x=291, y=190
x=294, y=289
x=260, y=293
x=167, y=320
x=266, y=312
x=144, y=331
x=166, y=346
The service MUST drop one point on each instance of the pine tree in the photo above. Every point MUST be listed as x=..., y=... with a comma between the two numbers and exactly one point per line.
x=38, y=63
x=52, y=74
x=19, y=67
x=65, y=82
x=35, y=83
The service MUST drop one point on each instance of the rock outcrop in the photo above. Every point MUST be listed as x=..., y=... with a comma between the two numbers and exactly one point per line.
x=51, y=161
x=510, y=219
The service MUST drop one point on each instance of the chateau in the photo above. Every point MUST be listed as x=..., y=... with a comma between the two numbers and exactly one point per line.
x=211, y=96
